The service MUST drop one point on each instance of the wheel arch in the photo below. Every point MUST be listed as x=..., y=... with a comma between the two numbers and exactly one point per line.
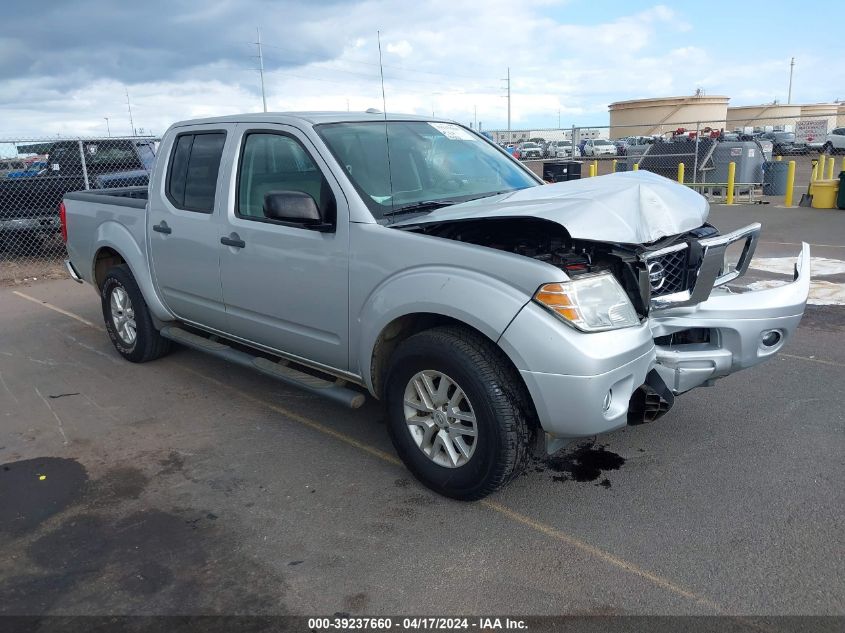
x=115, y=245
x=405, y=326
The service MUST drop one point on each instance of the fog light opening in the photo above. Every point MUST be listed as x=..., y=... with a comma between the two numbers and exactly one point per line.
x=770, y=339
x=608, y=399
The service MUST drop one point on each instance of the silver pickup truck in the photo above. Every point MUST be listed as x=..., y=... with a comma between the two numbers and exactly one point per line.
x=495, y=315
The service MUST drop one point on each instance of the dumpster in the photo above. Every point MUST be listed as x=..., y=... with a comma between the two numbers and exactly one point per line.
x=824, y=194
x=840, y=199
x=561, y=170
x=774, y=178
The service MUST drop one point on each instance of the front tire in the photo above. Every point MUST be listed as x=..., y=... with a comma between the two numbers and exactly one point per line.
x=128, y=320
x=458, y=412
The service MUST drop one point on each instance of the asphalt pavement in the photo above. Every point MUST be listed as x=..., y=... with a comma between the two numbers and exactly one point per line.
x=188, y=485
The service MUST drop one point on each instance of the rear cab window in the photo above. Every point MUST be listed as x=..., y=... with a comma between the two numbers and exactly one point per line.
x=193, y=170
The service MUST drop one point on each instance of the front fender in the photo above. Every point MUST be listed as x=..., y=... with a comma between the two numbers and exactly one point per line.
x=111, y=234
x=481, y=302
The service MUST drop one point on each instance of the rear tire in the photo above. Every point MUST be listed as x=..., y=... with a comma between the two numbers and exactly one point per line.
x=491, y=436
x=128, y=320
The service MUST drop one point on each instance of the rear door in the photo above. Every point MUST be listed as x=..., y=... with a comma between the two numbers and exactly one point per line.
x=286, y=287
x=184, y=225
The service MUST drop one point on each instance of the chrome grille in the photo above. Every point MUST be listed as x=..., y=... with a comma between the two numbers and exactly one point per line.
x=668, y=272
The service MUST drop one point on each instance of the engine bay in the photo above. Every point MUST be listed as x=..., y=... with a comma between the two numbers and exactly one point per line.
x=549, y=242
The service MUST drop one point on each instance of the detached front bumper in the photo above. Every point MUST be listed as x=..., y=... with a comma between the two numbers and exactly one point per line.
x=736, y=330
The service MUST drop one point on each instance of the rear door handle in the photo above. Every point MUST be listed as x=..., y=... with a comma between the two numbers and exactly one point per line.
x=162, y=228
x=233, y=240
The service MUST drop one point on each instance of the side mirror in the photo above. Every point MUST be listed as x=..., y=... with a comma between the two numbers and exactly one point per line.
x=294, y=207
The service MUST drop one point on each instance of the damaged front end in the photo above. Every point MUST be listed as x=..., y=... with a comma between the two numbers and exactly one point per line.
x=690, y=327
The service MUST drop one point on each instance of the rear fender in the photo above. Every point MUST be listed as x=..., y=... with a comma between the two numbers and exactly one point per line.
x=114, y=235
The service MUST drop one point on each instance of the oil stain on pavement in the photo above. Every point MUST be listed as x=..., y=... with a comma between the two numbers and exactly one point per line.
x=587, y=462
x=33, y=490
x=89, y=546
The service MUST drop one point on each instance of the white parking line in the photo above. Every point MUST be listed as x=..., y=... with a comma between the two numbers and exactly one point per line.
x=56, y=309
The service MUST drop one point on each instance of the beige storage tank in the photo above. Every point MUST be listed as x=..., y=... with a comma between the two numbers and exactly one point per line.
x=646, y=117
x=763, y=117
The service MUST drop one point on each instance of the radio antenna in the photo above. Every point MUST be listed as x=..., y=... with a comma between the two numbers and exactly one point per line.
x=386, y=135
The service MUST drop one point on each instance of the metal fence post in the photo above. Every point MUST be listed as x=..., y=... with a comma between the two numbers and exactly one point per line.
x=84, y=166
x=695, y=159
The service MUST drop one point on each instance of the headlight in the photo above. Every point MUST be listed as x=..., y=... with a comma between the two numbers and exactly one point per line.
x=591, y=304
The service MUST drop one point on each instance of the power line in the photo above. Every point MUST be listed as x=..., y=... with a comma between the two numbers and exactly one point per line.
x=355, y=61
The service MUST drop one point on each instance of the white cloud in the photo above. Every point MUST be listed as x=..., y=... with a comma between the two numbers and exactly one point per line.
x=448, y=56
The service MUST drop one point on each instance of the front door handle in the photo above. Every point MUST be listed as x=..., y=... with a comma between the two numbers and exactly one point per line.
x=162, y=227
x=233, y=240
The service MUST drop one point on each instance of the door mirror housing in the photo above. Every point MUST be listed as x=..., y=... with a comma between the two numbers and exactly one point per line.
x=296, y=208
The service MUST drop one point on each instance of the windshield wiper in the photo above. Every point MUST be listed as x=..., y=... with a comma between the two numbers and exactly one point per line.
x=423, y=205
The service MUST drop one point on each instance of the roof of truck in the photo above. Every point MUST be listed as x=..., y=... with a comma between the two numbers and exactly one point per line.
x=311, y=118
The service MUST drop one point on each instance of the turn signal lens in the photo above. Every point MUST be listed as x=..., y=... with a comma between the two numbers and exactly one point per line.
x=592, y=303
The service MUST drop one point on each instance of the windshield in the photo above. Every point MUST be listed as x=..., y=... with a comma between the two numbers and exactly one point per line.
x=429, y=163
x=530, y=145
x=602, y=142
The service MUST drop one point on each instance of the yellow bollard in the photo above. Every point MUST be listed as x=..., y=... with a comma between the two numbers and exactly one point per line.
x=592, y=170
x=636, y=166
x=778, y=158
x=820, y=172
x=613, y=167
x=596, y=165
x=830, y=165
x=681, y=173
x=790, y=184
x=814, y=174
x=731, y=182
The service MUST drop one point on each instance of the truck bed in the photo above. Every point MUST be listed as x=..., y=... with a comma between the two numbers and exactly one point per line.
x=105, y=216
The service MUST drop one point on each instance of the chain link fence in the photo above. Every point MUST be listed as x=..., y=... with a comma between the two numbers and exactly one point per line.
x=35, y=173
x=696, y=153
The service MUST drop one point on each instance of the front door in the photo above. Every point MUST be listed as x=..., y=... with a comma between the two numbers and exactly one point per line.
x=184, y=227
x=285, y=286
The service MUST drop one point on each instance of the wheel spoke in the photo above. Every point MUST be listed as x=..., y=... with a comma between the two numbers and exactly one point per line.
x=461, y=415
x=429, y=389
x=422, y=393
x=419, y=406
x=449, y=447
x=441, y=395
x=462, y=430
x=462, y=446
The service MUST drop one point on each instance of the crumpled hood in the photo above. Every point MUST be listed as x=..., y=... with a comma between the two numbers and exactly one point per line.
x=635, y=207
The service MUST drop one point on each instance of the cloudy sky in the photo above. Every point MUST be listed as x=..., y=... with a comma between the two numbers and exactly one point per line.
x=65, y=65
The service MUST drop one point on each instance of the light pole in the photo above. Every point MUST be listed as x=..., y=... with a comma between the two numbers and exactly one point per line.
x=791, y=67
x=108, y=129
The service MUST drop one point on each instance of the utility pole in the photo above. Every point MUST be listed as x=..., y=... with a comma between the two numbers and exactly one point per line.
x=108, y=129
x=558, y=118
x=508, y=97
x=129, y=106
x=261, y=67
x=791, y=67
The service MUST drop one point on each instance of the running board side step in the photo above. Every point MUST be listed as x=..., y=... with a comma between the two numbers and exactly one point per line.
x=281, y=371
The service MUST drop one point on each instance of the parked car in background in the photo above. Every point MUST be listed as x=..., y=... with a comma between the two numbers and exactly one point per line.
x=562, y=149
x=599, y=147
x=528, y=151
x=11, y=165
x=31, y=170
x=835, y=141
x=783, y=143
x=494, y=315
x=29, y=200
